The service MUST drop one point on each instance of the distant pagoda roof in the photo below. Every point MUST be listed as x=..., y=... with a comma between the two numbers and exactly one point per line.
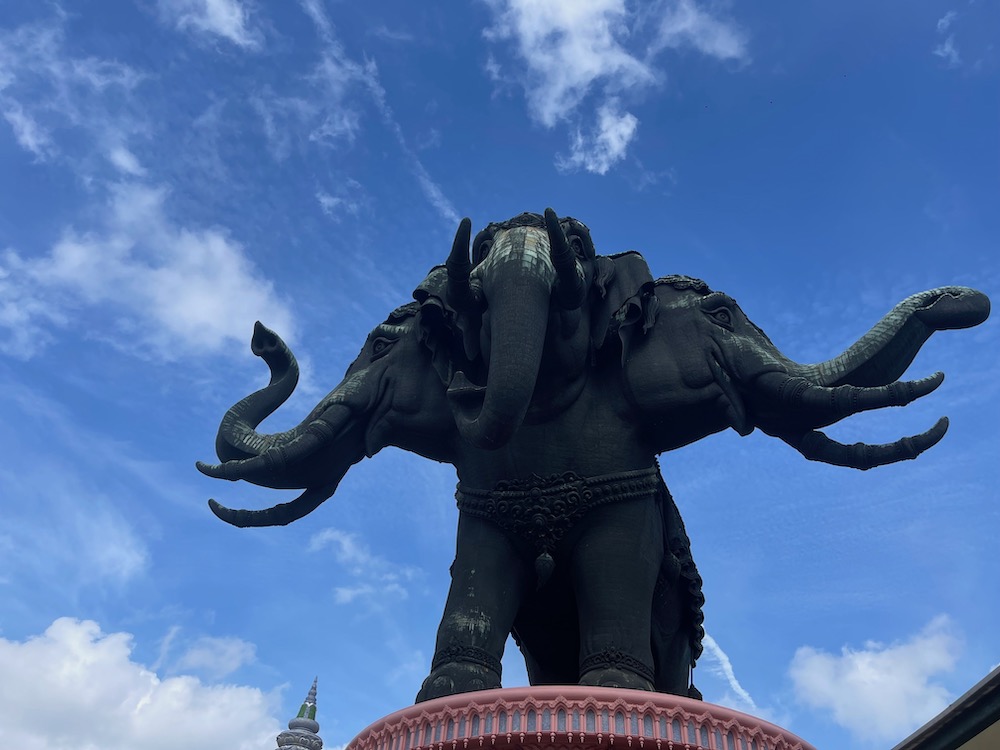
x=302, y=730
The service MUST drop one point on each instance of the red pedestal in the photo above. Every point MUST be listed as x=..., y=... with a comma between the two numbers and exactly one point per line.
x=572, y=716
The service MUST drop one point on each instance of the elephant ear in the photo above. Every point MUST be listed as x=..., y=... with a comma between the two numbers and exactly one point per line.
x=441, y=327
x=626, y=300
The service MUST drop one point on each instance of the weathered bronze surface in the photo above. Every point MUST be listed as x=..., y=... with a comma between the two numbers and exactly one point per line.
x=551, y=378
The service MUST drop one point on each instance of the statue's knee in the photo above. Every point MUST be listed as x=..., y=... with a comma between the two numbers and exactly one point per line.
x=614, y=668
x=460, y=669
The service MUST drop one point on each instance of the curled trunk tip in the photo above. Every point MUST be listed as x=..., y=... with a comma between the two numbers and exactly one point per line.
x=278, y=515
x=816, y=446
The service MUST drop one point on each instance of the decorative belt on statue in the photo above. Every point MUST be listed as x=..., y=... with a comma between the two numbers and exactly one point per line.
x=541, y=510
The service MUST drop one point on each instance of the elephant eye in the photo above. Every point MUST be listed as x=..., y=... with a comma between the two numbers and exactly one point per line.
x=722, y=316
x=381, y=346
x=577, y=244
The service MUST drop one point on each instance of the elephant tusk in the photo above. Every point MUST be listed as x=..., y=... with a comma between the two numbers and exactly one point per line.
x=460, y=293
x=278, y=515
x=830, y=404
x=570, y=288
x=816, y=446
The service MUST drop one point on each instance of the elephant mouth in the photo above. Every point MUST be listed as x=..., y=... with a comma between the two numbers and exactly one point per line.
x=735, y=409
x=465, y=394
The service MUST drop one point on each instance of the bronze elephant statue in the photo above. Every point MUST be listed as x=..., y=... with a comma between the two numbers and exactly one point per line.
x=551, y=377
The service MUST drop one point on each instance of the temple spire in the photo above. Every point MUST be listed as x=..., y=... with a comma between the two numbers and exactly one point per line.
x=302, y=729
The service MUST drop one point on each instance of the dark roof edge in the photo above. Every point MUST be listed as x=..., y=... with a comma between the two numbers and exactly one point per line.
x=978, y=709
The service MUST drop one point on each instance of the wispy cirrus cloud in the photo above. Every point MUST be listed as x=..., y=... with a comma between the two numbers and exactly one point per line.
x=28, y=133
x=345, y=198
x=226, y=19
x=880, y=692
x=61, y=526
x=337, y=74
x=216, y=657
x=720, y=663
x=569, y=51
x=45, y=89
x=372, y=577
x=948, y=52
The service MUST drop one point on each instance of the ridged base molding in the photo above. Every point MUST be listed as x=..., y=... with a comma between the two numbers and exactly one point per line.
x=560, y=717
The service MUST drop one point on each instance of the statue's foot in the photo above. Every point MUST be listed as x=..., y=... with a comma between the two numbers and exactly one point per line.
x=457, y=677
x=615, y=678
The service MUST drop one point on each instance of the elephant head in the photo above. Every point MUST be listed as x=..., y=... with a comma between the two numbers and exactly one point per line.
x=704, y=366
x=392, y=394
x=522, y=303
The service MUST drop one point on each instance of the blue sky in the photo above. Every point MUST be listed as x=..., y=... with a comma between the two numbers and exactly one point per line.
x=173, y=170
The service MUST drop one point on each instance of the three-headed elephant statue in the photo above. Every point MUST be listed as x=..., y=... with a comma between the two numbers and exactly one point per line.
x=552, y=377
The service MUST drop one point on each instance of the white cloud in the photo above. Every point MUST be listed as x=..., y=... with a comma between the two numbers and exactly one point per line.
x=567, y=46
x=600, y=150
x=348, y=201
x=347, y=594
x=948, y=52
x=880, y=692
x=217, y=657
x=228, y=19
x=77, y=687
x=575, y=49
x=125, y=161
x=172, y=288
x=684, y=24
x=945, y=21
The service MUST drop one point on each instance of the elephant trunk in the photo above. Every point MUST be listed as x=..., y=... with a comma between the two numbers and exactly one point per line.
x=316, y=457
x=882, y=355
x=790, y=407
x=237, y=437
x=517, y=281
x=819, y=406
x=293, y=461
x=313, y=456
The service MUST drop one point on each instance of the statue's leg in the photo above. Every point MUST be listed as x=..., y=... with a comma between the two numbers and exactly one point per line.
x=671, y=637
x=547, y=629
x=488, y=581
x=617, y=552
